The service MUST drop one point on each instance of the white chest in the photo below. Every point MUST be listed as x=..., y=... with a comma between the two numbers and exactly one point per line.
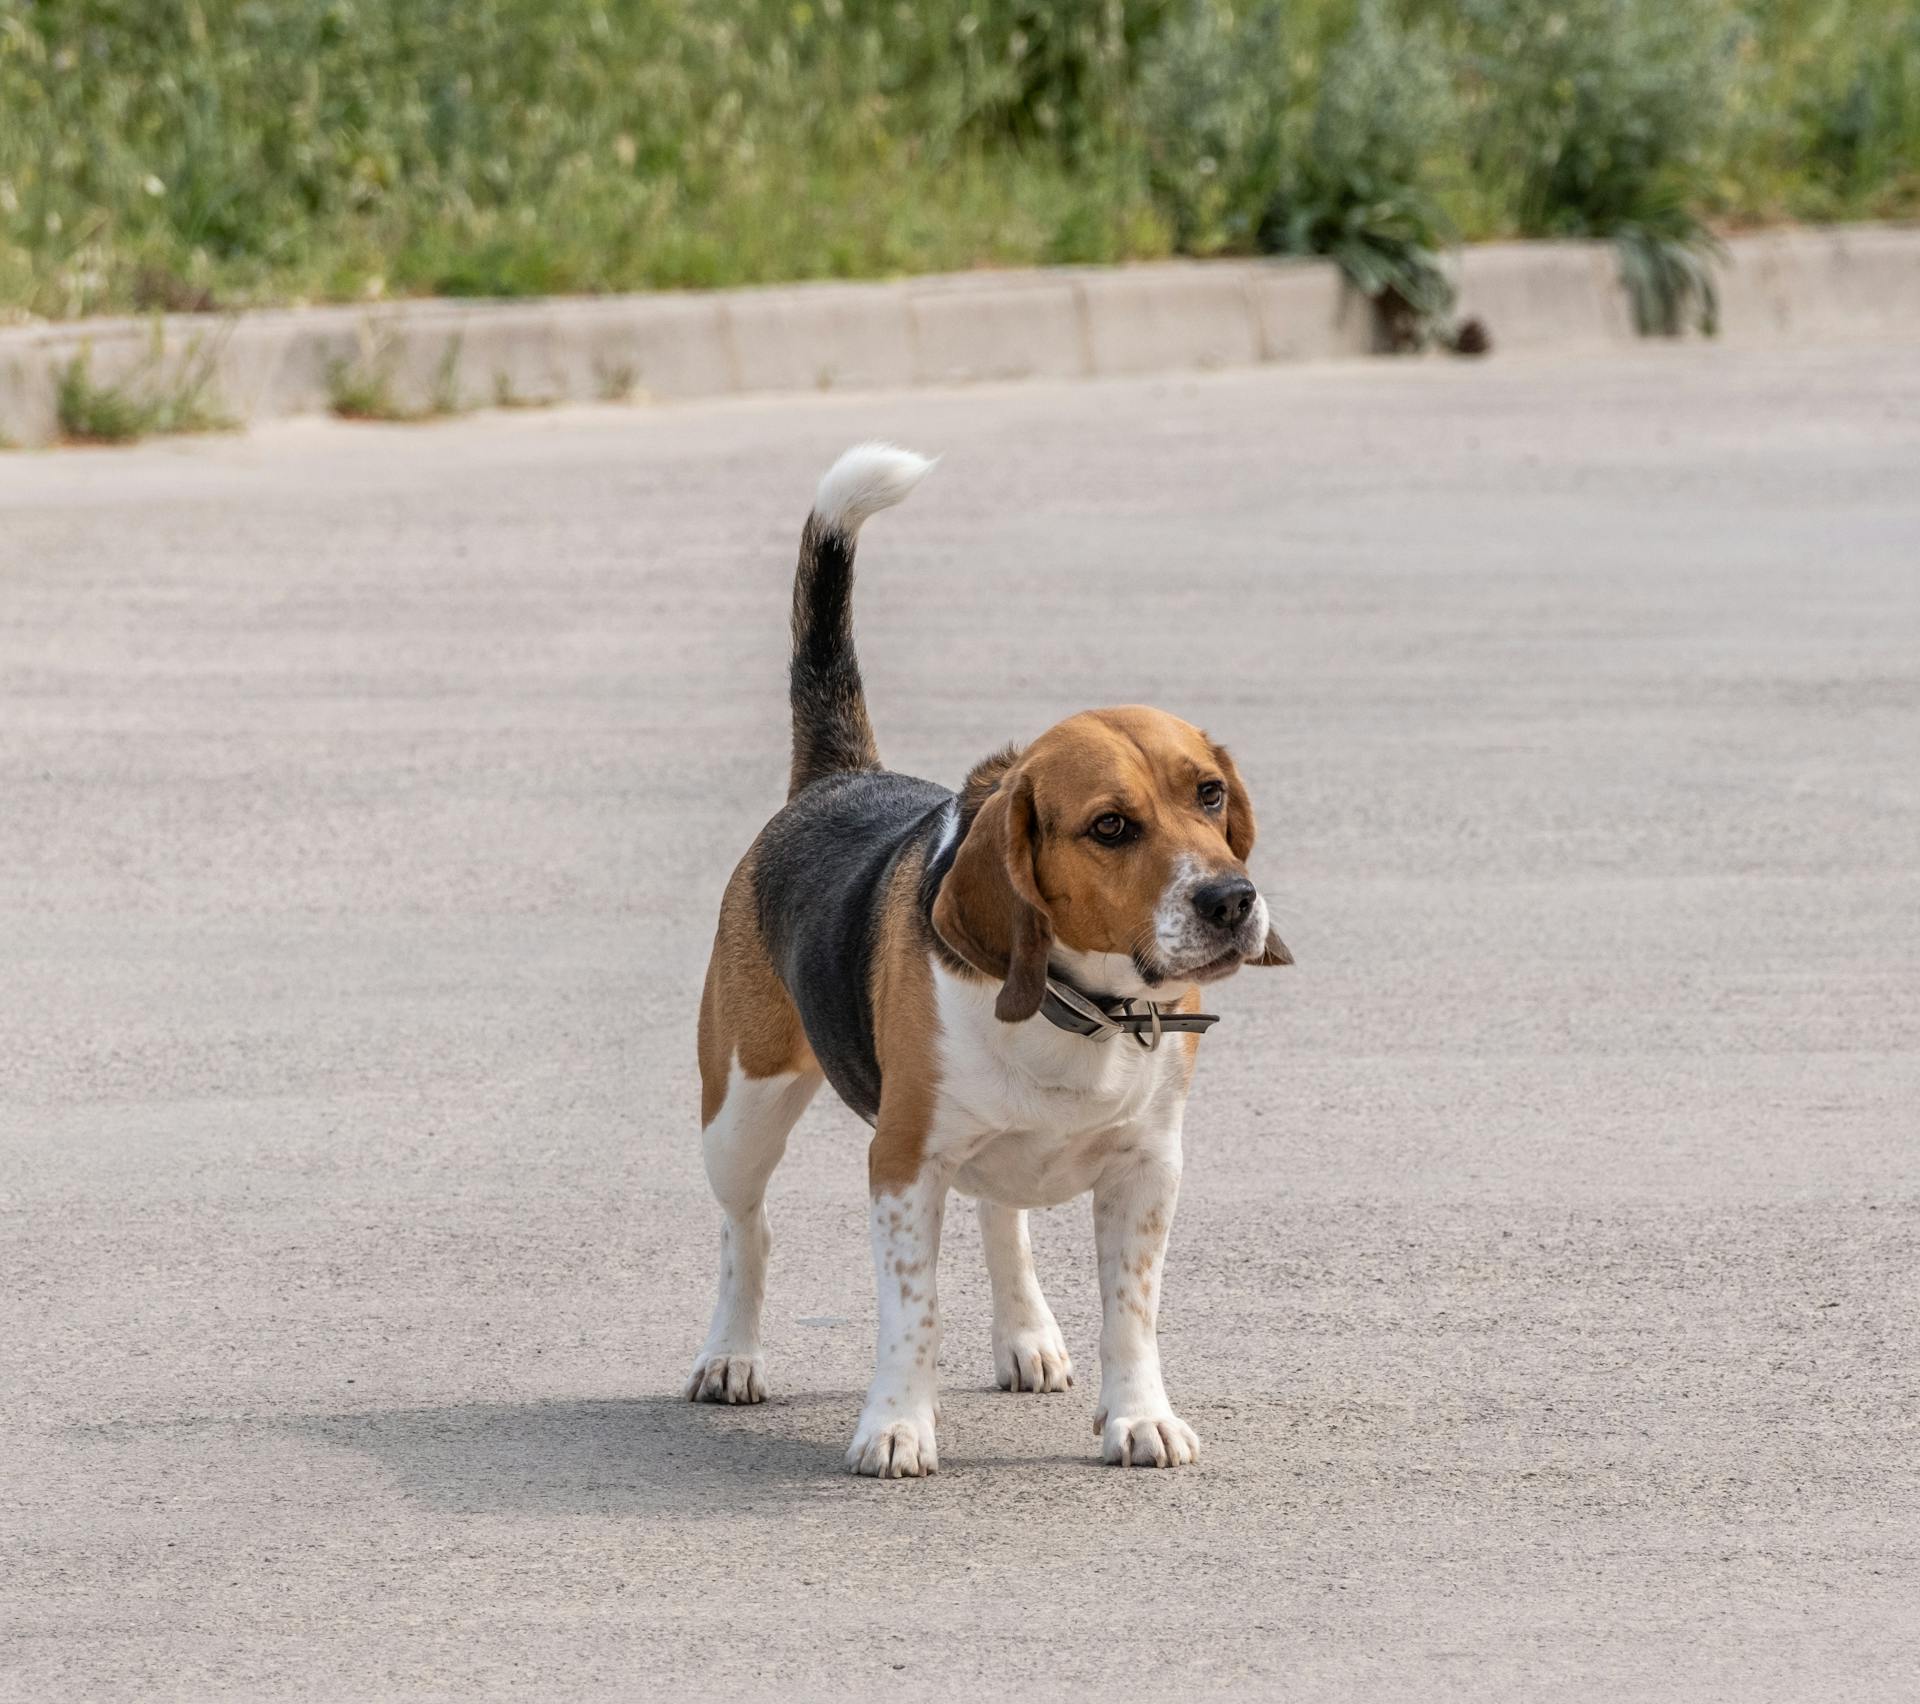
x=1029, y=1114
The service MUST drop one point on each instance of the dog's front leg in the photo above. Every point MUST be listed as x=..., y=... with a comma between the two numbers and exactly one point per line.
x=895, y=1438
x=1132, y=1212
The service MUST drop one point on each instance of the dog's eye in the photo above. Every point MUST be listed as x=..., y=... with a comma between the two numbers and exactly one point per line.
x=1213, y=794
x=1110, y=829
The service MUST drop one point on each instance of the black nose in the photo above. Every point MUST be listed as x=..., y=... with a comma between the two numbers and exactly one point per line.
x=1225, y=902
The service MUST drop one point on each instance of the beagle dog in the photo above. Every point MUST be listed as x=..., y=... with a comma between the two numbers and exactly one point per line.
x=1003, y=982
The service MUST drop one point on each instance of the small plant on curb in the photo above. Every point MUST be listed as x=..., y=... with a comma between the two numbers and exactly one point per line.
x=143, y=405
x=505, y=396
x=1667, y=269
x=445, y=397
x=1386, y=243
x=363, y=388
x=615, y=381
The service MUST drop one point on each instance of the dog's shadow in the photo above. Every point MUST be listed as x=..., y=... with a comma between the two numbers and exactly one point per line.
x=641, y=1456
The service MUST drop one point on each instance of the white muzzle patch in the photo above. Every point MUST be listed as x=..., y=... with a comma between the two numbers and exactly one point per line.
x=1183, y=939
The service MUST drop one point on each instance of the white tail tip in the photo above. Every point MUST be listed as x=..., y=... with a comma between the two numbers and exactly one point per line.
x=868, y=478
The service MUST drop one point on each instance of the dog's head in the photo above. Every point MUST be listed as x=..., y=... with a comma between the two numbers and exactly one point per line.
x=1115, y=845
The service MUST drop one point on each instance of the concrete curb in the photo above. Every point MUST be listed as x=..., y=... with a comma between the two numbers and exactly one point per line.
x=993, y=326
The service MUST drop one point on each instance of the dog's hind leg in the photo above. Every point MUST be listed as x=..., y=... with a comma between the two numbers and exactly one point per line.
x=1029, y=1352
x=756, y=1076
x=743, y=1144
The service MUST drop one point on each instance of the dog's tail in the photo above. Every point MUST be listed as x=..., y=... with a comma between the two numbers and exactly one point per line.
x=831, y=733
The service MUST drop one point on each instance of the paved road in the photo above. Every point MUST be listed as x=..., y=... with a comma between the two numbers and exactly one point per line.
x=1545, y=1285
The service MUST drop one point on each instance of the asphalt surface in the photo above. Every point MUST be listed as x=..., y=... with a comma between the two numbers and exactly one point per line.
x=1546, y=1287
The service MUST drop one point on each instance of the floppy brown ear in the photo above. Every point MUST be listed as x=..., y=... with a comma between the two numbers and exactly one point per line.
x=1240, y=824
x=1026, y=984
x=1274, y=952
x=990, y=909
x=1240, y=833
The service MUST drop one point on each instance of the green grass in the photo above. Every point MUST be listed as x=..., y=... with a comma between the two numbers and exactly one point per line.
x=182, y=154
x=149, y=402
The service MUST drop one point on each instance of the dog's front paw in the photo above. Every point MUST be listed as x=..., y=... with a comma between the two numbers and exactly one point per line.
x=720, y=1377
x=886, y=1446
x=1146, y=1440
x=1032, y=1358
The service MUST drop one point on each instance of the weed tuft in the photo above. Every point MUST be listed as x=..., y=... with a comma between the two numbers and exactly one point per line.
x=149, y=402
x=364, y=387
x=505, y=395
x=361, y=389
x=615, y=381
